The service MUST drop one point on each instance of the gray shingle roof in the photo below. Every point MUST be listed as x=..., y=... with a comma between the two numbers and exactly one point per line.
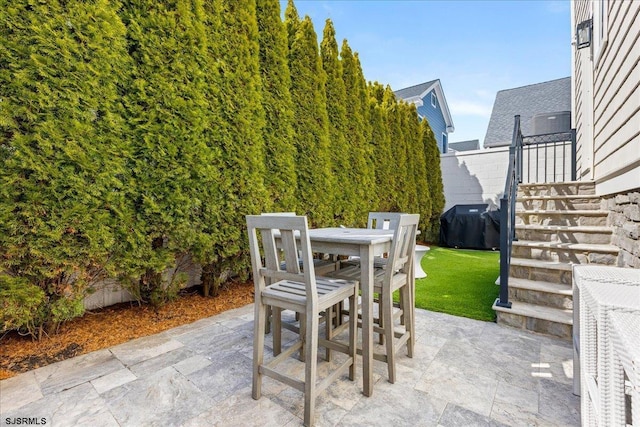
x=412, y=91
x=472, y=144
x=548, y=97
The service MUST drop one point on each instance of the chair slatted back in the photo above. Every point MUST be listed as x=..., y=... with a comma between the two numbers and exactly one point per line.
x=283, y=238
x=383, y=220
x=403, y=245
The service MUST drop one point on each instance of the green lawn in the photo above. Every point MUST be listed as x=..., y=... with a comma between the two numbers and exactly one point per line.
x=459, y=282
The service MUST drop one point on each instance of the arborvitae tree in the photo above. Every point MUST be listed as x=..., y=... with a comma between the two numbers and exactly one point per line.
x=336, y=109
x=280, y=177
x=166, y=108
x=411, y=127
x=362, y=172
x=434, y=177
x=399, y=161
x=240, y=164
x=310, y=126
x=381, y=144
x=422, y=179
x=291, y=21
x=62, y=152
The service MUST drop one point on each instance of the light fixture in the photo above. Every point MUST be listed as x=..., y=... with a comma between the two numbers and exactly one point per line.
x=583, y=34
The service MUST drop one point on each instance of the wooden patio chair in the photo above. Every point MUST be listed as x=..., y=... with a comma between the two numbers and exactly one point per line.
x=300, y=291
x=395, y=275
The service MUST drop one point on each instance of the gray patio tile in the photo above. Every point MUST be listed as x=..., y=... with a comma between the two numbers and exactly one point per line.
x=214, y=340
x=72, y=372
x=77, y=406
x=228, y=373
x=19, y=391
x=515, y=405
x=447, y=382
x=455, y=416
x=113, y=380
x=164, y=399
x=240, y=410
x=151, y=366
x=557, y=360
x=141, y=349
x=192, y=364
x=395, y=405
x=558, y=404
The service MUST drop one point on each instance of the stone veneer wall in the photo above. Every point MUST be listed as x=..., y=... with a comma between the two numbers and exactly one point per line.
x=624, y=216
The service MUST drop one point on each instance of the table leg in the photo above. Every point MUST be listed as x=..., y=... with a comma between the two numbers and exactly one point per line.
x=366, y=285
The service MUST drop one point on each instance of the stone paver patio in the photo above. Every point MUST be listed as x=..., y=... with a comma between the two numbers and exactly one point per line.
x=465, y=372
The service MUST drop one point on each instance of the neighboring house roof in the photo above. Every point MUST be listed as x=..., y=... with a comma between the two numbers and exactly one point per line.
x=415, y=94
x=527, y=101
x=472, y=144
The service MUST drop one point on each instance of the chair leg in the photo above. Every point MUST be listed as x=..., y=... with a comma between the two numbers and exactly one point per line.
x=353, y=333
x=303, y=335
x=311, y=366
x=267, y=325
x=387, y=314
x=409, y=319
x=276, y=320
x=328, y=330
x=258, y=348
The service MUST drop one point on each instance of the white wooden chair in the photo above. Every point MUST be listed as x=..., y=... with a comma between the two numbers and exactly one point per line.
x=300, y=291
x=397, y=274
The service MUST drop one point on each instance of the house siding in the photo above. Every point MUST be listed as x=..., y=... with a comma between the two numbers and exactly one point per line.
x=606, y=84
x=610, y=105
x=434, y=116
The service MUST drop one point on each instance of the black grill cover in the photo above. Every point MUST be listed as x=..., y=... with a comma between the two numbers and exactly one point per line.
x=471, y=227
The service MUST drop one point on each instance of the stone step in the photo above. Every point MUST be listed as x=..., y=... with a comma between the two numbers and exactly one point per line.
x=558, y=202
x=540, y=293
x=564, y=233
x=546, y=320
x=575, y=253
x=558, y=188
x=542, y=271
x=581, y=218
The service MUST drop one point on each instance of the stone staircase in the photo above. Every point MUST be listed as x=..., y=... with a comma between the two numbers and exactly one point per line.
x=557, y=225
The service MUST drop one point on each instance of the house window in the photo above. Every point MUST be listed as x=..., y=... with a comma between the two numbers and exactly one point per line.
x=433, y=100
x=445, y=143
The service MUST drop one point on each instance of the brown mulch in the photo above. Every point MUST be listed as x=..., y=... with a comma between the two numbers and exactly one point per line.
x=114, y=325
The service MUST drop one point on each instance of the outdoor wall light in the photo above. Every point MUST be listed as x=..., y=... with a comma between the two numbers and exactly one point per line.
x=583, y=34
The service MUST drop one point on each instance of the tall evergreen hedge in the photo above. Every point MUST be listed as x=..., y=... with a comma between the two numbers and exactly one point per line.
x=280, y=151
x=138, y=134
x=315, y=190
x=240, y=162
x=62, y=152
x=337, y=116
x=166, y=110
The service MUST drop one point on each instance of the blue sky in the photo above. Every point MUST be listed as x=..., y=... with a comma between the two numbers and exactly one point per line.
x=475, y=48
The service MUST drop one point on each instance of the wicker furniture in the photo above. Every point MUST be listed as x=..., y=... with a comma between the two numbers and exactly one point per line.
x=301, y=292
x=625, y=337
x=597, y=300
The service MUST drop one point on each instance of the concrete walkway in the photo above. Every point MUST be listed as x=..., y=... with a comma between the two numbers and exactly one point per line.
x=465, y=372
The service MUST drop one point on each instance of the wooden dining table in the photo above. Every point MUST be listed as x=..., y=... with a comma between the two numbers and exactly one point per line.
x=365, y=243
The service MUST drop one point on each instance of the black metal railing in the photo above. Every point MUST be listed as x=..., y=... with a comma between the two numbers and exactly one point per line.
x=549, y=158
x=508, y=212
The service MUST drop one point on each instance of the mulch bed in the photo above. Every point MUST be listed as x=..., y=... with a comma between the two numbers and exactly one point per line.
x=114, y=325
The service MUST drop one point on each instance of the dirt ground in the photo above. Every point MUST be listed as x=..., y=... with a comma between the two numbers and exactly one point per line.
x=114, y=325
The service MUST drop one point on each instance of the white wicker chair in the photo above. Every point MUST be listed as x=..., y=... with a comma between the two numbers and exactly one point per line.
x=625, y=337
x=597, y=300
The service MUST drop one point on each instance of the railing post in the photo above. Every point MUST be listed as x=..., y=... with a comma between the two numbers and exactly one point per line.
x=505, y=253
